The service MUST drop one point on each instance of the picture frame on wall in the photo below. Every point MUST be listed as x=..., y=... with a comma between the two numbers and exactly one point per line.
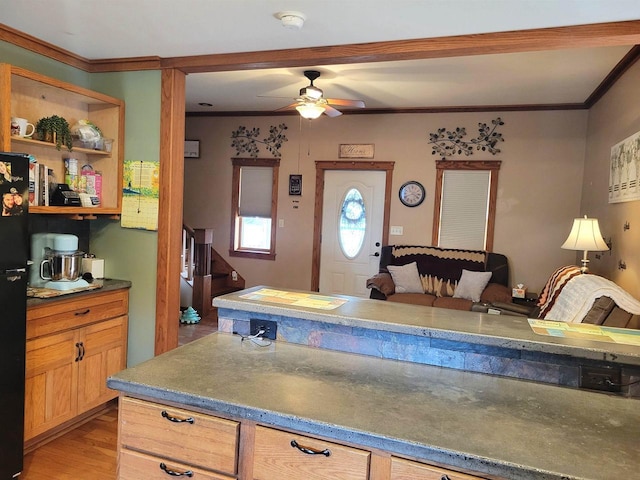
x=295, y=184
x=192, y=149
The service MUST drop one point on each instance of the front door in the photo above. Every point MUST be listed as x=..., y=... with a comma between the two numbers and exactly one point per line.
x=352, y=227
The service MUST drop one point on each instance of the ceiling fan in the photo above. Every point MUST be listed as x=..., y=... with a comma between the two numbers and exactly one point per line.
x=311, y=103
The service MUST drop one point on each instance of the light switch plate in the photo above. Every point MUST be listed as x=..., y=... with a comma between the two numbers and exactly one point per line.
x=396, y=230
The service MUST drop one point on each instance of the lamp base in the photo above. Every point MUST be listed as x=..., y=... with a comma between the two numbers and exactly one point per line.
x=585, y=263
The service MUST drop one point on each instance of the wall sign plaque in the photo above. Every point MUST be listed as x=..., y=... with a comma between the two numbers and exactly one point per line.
x=356, y=150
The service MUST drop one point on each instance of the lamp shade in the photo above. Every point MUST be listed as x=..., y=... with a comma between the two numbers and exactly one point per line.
x=585, y=235
x=310, y=110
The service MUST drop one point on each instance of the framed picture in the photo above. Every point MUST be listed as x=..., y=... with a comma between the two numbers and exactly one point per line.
x=356, y=150
x=192, y=149
x=295, y=184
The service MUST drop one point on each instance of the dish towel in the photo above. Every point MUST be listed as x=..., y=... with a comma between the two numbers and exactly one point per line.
x=580, y=292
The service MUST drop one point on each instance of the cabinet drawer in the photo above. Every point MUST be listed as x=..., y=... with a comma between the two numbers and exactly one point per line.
x=76, y=312
x=276, y=459
x=207, y=442
x=402, y=469
x=137, y=466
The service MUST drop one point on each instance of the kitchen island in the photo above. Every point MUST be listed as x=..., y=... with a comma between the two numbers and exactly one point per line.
x=492, y=426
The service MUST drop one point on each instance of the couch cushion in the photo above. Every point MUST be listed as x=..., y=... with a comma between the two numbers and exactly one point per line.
x=439, y=268
x=471, y=285
x=453, y=303
x=412, y=298
x=494, y=292
x=601, y=309
x=406, y=278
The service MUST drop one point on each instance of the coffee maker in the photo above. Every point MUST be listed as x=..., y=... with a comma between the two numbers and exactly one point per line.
x=56, y=262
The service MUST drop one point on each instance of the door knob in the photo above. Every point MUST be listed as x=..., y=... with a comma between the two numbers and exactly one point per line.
x=377, y=244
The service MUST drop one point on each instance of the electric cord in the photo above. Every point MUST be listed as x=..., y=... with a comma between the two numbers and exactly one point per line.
x=256, y=339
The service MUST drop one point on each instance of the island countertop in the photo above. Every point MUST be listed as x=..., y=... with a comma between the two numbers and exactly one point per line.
x=498, y=426
x=478, y=328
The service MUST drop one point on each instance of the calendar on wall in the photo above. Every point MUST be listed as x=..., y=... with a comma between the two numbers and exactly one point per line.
x=140, y=194
x=624, y=171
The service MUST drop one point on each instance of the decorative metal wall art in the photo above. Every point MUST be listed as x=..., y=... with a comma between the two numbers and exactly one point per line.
x=245, y=140
x=447, y=143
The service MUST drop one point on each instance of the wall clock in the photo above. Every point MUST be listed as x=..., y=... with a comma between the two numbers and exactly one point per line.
x=412, y=193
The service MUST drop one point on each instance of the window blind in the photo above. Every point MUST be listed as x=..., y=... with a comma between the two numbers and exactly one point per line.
x=256, y=185
x=464, y=209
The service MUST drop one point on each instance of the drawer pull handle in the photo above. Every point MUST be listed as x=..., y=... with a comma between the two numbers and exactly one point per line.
x=173, y=473
x=310, y=451
x=171, y=418
x=445, y=477
x=78, y=314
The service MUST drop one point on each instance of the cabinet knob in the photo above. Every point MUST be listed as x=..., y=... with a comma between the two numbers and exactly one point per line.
x=174, y=473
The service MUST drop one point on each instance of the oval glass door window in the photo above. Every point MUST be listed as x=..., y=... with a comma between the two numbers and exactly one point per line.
x=352, y=224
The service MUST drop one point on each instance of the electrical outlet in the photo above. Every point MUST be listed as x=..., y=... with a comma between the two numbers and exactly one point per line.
x=600, y=378
x=269, y=326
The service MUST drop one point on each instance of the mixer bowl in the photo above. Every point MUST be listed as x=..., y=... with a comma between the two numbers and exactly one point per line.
x=62, y=266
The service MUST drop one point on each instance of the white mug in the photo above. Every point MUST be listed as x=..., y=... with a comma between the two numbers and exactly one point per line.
x=19, y=127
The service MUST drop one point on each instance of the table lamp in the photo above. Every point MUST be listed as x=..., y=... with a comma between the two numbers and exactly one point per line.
x=585, y=235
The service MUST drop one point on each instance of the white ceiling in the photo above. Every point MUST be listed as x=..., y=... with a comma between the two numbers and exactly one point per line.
x=98, y=29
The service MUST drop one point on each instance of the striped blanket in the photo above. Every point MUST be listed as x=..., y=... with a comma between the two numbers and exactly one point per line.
x=568, y=296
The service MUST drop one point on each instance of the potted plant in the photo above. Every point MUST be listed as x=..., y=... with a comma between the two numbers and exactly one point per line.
x=54, y=129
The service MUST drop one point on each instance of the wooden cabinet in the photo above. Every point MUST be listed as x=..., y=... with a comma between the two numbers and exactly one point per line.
x=402, y=469
x=33, y=96
x=156, y=438
x=176, y=438
x=282, y=455
x=72, y=347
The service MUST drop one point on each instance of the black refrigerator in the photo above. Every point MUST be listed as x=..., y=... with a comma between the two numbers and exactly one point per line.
x=14, y=251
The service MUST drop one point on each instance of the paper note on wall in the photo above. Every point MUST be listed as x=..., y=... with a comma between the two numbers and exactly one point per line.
x=140, y=194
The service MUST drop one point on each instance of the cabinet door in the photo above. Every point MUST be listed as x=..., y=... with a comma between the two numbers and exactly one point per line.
x=402, y=469
x=277, y=458
x=103, y=353
x=51, y=382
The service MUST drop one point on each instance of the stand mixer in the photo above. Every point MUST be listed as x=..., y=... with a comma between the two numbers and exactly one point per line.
x=56, y=262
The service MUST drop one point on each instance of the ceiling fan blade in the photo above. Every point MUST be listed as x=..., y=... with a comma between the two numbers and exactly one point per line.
x=331, y=112
x=343, y=102
x=291, y=106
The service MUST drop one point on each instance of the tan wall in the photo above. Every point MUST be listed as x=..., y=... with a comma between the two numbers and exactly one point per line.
x=615, y=117
x=539, y=188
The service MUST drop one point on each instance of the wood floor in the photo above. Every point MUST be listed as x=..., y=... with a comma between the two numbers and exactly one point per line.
x=89, y=451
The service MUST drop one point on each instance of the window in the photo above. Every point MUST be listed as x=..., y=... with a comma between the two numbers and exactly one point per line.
x=253, y=207
x=352, y=225
x=465, y=204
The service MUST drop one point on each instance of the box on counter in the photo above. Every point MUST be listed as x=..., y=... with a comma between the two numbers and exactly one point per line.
x=519, y=291
x=94, y=266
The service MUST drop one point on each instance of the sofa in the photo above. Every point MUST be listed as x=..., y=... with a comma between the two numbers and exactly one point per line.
x=574, y=297
x=441, y=277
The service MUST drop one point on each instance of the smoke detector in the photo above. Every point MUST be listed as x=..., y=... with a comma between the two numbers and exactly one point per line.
x=291, y=20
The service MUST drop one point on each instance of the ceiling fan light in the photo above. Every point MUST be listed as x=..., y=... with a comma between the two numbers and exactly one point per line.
x=291, y=20
x=310, y=111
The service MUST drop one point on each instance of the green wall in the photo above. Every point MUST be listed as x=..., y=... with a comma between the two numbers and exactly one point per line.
x=129, y=254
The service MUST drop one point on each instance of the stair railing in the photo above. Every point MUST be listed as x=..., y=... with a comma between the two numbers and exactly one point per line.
x=196, y=252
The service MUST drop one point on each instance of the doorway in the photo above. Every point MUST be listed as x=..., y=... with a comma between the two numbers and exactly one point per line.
x=342, y=266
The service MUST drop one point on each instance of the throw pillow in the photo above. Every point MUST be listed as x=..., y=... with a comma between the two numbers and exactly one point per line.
x=406, y=278
x=471, y=285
